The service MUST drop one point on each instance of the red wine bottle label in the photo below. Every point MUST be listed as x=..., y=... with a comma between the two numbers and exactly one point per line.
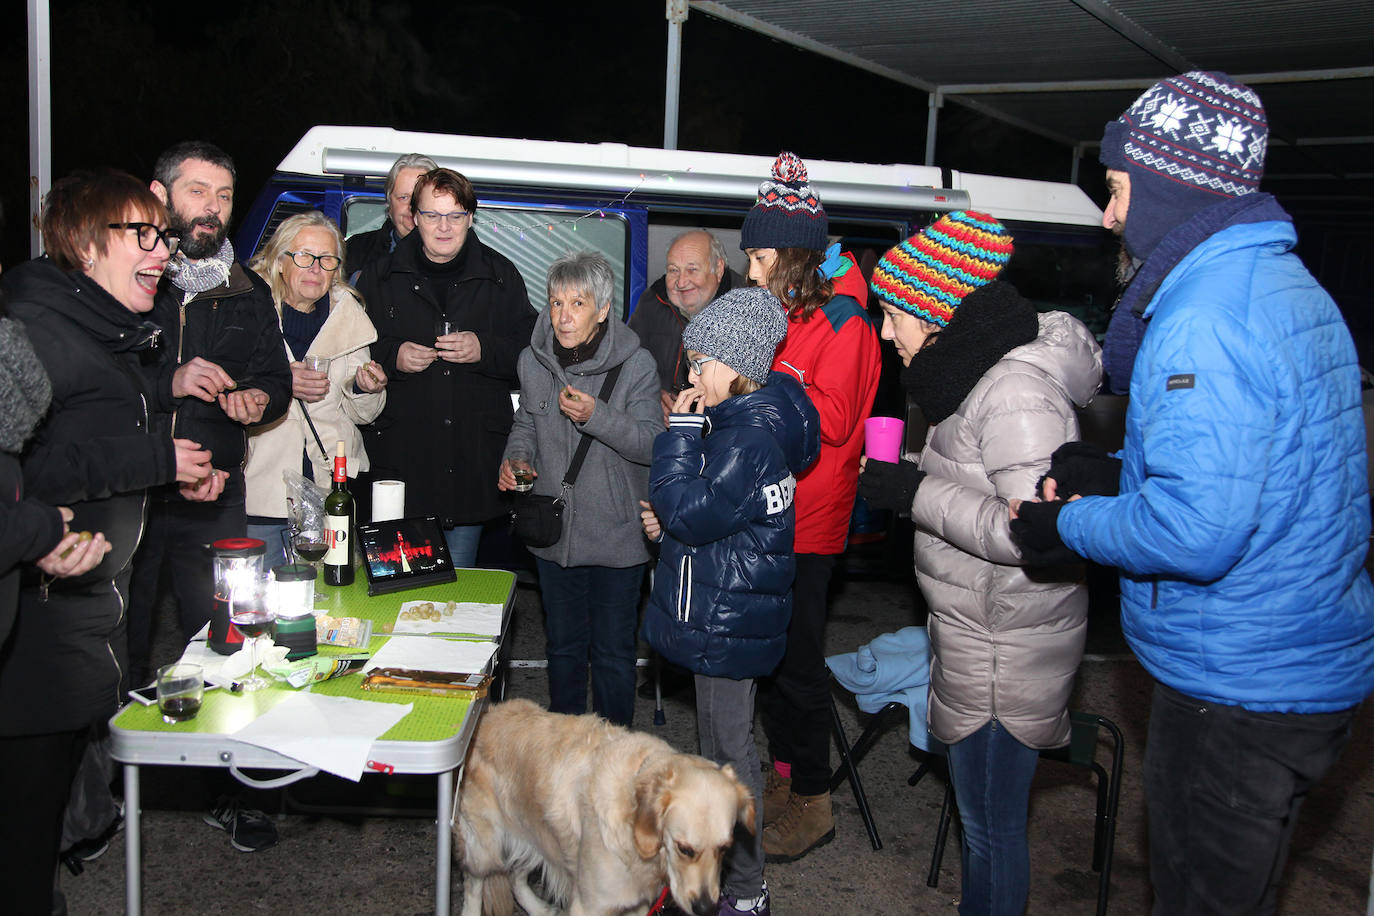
x=336, y=537
x=340, y=469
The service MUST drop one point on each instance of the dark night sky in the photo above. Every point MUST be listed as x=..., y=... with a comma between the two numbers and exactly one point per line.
x=130, y=78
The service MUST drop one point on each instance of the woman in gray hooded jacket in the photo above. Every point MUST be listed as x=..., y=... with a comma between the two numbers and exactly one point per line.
x=998, y=384
x=590, y=578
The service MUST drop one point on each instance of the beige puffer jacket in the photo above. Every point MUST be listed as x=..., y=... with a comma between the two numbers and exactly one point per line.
x=344, y=338
x=1006, y=642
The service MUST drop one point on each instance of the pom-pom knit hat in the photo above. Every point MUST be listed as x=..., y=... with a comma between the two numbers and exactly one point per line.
x=742, y=328
x=1188, y=142
x=930, y=273
x=788, y=213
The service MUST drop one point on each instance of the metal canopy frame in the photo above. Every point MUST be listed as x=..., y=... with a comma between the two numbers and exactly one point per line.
x=1129, y=41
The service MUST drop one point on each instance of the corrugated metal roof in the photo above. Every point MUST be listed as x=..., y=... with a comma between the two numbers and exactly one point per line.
x=974, y=44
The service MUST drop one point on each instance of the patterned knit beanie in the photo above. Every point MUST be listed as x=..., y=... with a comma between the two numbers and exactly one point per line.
x=930, y=273
x=1188, y=142
x=788, y=214
x=741, y=328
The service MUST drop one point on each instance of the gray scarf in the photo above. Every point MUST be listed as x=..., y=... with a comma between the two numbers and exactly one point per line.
x=24, y=387
x=195, y=277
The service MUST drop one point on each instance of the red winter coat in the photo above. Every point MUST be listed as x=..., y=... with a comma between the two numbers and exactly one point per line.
x=835, y=355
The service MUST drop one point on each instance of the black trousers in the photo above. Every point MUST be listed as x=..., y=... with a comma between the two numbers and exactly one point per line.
x=177, y=539
x=795, y=699
x=1223, y=786
x=39, y=770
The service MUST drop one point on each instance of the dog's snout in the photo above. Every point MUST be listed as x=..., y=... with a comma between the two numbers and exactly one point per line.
x=701, y=906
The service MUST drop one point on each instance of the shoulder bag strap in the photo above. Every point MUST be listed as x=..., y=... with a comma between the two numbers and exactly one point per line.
x=575, y=468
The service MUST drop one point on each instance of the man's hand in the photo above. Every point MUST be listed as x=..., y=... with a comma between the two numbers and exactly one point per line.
x=202, y=379
x=653, y=529
x=244, y=406
x=207, y=490
x=370, y=377
x=459, y=347
x=576, y=405
x=308, y=384
x=412, y=357
x=1080, y=469
x=1035, y=529
x=192, y=461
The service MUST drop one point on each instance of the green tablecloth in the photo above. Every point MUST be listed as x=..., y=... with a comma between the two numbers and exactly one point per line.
x=432, y=719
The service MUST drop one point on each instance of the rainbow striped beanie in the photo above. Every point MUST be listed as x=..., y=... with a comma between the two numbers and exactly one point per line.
x=930, y=273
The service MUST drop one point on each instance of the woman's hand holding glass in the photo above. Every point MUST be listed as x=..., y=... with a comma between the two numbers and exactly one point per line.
x=458, y=347
x=516, y=474
x=310, y=385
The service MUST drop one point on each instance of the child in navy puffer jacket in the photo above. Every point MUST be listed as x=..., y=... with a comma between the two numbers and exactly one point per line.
x=721, y=489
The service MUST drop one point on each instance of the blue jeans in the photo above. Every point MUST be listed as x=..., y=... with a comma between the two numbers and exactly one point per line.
x=992, y=774
x=271, y=536
x=1223, y=786
x=462, y=543
x=590, y=613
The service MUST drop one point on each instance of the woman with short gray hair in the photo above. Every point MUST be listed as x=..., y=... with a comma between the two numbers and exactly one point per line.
x=590, y=577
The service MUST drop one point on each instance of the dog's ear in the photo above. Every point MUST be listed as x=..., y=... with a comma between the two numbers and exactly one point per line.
x=744, y=811
x=652, y=794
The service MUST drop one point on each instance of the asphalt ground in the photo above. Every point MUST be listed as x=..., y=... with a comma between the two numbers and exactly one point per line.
x=385, y=864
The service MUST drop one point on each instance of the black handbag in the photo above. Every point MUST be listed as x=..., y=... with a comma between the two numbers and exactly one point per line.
x=537, y=520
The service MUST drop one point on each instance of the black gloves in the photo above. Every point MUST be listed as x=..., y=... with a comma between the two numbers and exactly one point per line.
x=1036, y=531
x=1082, y=469
x=885, y=485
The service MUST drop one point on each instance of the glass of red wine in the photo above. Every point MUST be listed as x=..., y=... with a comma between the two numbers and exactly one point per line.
x=307, y=534
x=251, y=616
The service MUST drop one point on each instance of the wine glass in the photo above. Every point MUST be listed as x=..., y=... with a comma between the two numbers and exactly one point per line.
x=307, y=534
x=251, y=616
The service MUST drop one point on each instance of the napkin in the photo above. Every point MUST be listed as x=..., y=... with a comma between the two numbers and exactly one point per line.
x=332, y=733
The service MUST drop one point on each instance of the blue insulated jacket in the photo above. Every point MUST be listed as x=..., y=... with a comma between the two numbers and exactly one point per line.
x=723, y=590
x=1243, y=517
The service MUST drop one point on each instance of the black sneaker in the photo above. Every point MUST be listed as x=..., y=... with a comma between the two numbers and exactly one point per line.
x=249, y=830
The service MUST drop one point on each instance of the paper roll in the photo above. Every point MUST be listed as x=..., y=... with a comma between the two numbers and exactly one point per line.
x=388, y=500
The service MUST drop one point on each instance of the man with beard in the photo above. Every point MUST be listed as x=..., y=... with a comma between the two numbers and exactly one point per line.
x=1238, y=512
x=226, y=370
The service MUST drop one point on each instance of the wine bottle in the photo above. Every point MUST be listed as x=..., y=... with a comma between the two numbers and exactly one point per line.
x=338, y=525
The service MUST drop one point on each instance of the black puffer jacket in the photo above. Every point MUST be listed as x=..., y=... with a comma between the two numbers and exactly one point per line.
x=234, y=325
x=96, y=453
x=444, y=429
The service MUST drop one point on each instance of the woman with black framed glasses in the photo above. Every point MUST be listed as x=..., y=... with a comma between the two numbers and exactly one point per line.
x=97, y=450
x=322, y=322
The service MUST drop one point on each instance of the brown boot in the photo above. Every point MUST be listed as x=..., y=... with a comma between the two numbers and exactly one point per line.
x=806, y=823
x=776, y=789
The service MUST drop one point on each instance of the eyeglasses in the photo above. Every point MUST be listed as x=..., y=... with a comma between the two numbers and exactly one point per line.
x=434, y=218
x=305, y=260
x=149, y=235
x=696, y=364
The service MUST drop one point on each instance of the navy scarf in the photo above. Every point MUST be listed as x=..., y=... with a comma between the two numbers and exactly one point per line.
x=1127, y=327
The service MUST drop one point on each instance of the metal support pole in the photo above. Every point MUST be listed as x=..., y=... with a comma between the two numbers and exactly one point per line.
x=676, y=14
x=1073, y=167
x=934, y=103
x=40, y=117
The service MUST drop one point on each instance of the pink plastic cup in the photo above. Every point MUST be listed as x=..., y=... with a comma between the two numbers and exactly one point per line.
x=883, y=438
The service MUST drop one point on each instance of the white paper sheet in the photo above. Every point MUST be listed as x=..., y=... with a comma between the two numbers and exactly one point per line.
x=449, y=655
x=468, y=618
x=332, y=733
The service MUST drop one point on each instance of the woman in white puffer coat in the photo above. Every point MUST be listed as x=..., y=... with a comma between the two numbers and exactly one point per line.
x=998, y=385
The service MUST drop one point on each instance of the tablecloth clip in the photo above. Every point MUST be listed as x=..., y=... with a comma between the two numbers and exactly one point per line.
x=380, y=767
x=277, y=782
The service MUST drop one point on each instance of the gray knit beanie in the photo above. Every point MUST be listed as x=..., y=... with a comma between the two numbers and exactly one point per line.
x=741, y=328
x=24, y=387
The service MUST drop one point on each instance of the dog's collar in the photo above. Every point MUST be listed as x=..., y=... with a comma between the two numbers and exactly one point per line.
x=659, y=903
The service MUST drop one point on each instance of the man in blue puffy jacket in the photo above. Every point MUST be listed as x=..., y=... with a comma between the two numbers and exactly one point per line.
x=1242, y=518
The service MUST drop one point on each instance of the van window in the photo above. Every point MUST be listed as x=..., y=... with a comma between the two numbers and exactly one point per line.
x=532, y=237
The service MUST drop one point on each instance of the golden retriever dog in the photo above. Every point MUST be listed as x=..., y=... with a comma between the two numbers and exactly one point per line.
x=609, y=815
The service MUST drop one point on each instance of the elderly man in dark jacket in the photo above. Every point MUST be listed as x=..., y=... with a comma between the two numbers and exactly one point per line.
x=452, y=316
x=225, y=370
